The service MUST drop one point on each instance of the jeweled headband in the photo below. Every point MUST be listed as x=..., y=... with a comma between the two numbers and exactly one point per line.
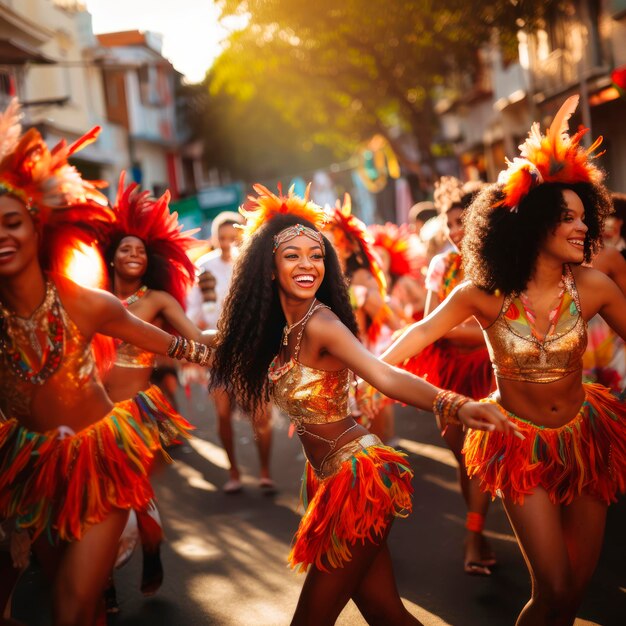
x=291, y=232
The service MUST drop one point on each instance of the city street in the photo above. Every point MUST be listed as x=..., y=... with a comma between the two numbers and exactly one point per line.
x=225, y=554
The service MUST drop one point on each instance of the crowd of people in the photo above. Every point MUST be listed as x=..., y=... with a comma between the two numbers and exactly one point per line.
x=499, y=308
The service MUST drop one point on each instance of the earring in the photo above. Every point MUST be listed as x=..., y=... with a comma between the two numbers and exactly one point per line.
x=111, y=263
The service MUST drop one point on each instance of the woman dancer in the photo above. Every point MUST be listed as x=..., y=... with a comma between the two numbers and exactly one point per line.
x=289, y=297
x=525, y=240
x=150, y=272
x=72, y=463
x=458, y=361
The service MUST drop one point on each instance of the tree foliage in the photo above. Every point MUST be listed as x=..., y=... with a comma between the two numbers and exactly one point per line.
x=334, y=73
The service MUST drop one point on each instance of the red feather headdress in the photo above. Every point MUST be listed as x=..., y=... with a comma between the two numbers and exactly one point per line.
x=551, y=158
x=42, y=178
x=349, y=230
x=149, y=219
x=405, y=258
x=266, y=205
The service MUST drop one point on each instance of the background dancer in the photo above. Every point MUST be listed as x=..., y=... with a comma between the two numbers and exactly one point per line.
x=72, y=463
x=289, y=297
x=150, y=272
x=525, y=238
x=218, y=266
x=458, y=361
x=367, y=288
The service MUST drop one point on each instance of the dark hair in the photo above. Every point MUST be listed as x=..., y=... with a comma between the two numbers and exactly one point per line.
x=252, y=320
x=158, y=274
x=500, y=247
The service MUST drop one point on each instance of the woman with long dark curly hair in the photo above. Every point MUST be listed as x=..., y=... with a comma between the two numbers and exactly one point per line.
x=525, y=240
x=288, y=330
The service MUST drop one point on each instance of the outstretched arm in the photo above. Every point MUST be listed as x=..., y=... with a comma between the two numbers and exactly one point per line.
x=174, y=314
x=453, y=311
x=339, y=342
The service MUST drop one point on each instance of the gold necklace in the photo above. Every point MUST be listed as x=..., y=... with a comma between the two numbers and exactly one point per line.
x=289, y=327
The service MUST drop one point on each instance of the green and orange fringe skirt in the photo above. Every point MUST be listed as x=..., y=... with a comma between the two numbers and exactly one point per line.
x=585, y=456
x=355, y=504
x=61, y=486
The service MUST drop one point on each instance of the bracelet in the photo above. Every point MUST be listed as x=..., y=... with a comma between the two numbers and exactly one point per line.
x=190, y=350
x=173, y=346
x=446, y=407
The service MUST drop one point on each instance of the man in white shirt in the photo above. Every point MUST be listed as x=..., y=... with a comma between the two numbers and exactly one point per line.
x=204, y=306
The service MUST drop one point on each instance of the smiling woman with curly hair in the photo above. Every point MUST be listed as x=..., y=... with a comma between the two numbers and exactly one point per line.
x=526, y=238
x=288, y=329
x=501, y=247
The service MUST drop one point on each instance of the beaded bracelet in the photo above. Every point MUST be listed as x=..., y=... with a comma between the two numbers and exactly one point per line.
x=190, y=350
x=446, y=407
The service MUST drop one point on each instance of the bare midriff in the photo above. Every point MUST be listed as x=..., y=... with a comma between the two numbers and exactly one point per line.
x=123, y=383
x=545, y=404
x=316, y=449
x=78, y=410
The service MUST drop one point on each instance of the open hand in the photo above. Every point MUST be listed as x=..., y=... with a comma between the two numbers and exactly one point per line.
x=485, y=416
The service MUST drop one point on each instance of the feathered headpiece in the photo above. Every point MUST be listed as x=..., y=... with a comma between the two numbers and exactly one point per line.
x=42, y=178
x=404, y=257
x=262, y=208
x=551, y=158
x=448, y=193
x=149, y=219
x=350, y=230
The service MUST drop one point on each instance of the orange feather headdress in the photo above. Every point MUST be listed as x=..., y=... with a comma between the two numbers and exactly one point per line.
x=350, y=230
x=266, y=205
x=43, y=179
x=139, y=215
x=551, y=158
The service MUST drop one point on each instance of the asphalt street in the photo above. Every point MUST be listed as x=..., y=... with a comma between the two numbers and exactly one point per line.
x=225, y=555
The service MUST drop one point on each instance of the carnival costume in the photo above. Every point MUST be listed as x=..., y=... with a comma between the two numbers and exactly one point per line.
x=138, y=215
x=62, y=482
x=588, y=454
x=357, y=489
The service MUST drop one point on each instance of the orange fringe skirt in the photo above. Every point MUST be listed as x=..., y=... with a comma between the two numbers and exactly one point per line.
x=370, y=485
x=61, y=486
x=585, y=456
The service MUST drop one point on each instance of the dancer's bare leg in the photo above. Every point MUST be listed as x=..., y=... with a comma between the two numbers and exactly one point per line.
x=223, y=408
x=81, y=571
x=367, y=578
x=478, y=555
x=561, y=546
x=263, y=437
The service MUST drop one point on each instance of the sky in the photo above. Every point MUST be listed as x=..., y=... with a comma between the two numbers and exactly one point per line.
x=191, y=32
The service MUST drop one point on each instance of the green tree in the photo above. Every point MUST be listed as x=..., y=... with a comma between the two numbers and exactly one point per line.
x=335, y=73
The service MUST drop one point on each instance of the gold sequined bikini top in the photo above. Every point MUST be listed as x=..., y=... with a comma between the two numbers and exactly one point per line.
x=128, y=355
x=518, y=354
x=76, y=367
x=307, y=394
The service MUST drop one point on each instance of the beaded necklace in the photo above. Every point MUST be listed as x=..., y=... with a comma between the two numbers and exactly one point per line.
x=140, y=293
x=46, y=319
